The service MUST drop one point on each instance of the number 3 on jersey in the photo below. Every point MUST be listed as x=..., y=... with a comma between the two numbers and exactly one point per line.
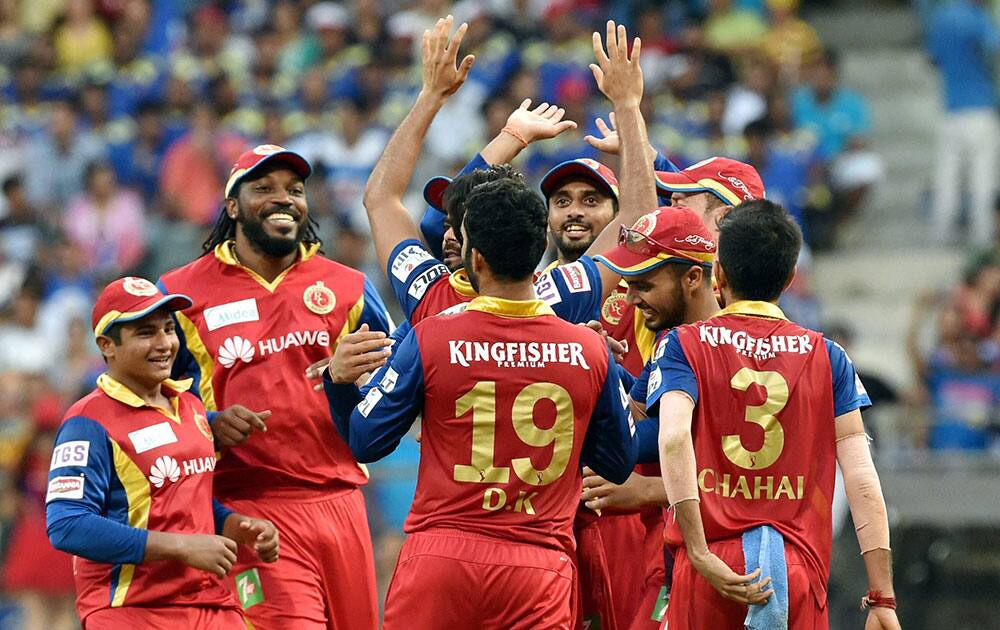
x=765, y=415
x=481, y=400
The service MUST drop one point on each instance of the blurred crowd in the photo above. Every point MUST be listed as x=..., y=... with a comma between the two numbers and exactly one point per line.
x=120, y=119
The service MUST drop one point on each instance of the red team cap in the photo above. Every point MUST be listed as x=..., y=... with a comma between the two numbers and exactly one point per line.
x=731, y=181
x=584, y=168
x=128, y=299
x=263, y=154
x=664, y=235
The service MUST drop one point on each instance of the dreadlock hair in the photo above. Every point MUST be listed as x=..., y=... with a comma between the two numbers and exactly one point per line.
x=225, y=229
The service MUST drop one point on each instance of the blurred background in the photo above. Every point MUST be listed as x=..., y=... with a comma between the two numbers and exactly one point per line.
x=874, y=122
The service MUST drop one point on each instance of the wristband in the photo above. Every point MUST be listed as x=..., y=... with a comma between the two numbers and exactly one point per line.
x=876, y=600
x=516, y=134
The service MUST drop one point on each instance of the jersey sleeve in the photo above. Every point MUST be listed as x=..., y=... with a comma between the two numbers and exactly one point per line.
x=80, y=482
x=411, y=271
x=573, y=291
x=639, y=386
x=373, y=420
x=219, y=513
x=671, y=372
x=663, y=164
x=432, y=223
x=848, y=391
x=374, y=313
x=647, y=437
x=609, y=447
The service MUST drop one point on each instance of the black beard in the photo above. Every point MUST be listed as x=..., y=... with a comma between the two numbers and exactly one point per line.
x=268, y=245
x=671, y=318
x=467, y=263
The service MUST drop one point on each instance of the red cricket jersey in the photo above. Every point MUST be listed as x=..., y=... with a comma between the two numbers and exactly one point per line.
x=624, y=322
x=145, y=467
x=249, y=342
x=763, y=430
x=447, y=291
x=509, y=396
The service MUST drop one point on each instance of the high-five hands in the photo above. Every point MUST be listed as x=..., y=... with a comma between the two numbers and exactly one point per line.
x=618, y=75
x=442, y=77
x=541, y=123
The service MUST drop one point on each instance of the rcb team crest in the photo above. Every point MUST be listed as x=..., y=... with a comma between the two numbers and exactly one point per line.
x=614, y=307
x=139, y=287
x=319, y=299
x=202, y=423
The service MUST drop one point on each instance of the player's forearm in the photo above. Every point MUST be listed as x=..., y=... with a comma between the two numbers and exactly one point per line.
x=688, y=515
x=878, y=566
x=653, y=491
x=99, y=539
x=164, y=546
x=393, y=171
x=864, y=492
x=679, y=469
x=638, y=189
x=502, y=149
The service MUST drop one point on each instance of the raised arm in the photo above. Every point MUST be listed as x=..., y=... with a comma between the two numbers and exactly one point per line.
x=390, y=221
x=619, y=77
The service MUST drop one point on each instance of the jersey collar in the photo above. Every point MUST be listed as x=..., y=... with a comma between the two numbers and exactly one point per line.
x=117, y=391
x=753, y=308
x=510, y=308
x=226, y=253
x=459, y=281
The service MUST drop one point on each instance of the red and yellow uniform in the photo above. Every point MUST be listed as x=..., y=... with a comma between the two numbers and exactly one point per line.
x=121, y=468
x=249, y=341
x=767, y=392
x=513, y=399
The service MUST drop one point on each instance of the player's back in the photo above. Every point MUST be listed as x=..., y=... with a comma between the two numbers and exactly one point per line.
x=763, y=427
x=509, y=393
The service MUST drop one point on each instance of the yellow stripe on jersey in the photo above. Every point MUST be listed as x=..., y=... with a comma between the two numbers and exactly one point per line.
x=353, y=317
x=226, y=252
x=202, y=357
x=645, y=339
x=459, y=280
x=137, y=494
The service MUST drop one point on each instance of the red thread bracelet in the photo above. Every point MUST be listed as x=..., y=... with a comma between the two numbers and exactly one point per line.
x=516, y=134
x=876, y=600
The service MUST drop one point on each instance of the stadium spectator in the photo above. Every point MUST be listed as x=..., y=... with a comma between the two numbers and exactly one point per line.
x=22, y=230
x=790, y=42
x=962, y=42
x=106, y=222
x=83, y=39
x=733, y=30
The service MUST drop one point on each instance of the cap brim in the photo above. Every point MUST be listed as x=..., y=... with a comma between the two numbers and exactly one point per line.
x=682, y=182
x=434, y=191
x=174, y=302
x=299, y=165
x=628, y=263
x=567, y=170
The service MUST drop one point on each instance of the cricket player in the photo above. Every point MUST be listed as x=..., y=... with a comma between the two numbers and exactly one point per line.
x=267, y=308
x=755, y=412
x=130, y=484
x=512, y=399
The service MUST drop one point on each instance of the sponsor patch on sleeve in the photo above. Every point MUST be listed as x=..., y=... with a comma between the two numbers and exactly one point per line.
x=422, y=282
x=65, y=488
x=407, y=260
x=73, y=453
x=372, y=399
x=655, y=380
x=546, y=290
x=388, y=382
x=153, y=436
x=661, y=348
x=859, y=386
x=576, y=277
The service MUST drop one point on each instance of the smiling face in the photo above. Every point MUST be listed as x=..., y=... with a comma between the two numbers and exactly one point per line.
x=146, y=350
x=271, y=211
x=451, y=248
x=578, y=211
x=660, y=294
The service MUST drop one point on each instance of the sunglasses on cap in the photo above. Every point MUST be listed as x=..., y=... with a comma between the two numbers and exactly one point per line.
x=638, y=243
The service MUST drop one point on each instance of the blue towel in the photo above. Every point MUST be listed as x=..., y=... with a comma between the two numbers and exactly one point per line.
x=764, y=547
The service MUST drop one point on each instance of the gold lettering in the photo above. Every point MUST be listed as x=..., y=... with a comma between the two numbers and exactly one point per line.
x=702, y=480
x=742, y=487
x=724, y=486
x=801, y=481
x=769, y=487
x=488, y=497
x=523, y=503
x=785, y=486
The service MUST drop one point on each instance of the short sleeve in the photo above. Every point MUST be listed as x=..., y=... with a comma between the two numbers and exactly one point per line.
x=672, y=372
x=639, y=387
x=574, y=291
x=848, y=391
x=411, y=271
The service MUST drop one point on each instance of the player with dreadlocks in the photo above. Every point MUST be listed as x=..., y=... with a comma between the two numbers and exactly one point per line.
x=266, y=310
